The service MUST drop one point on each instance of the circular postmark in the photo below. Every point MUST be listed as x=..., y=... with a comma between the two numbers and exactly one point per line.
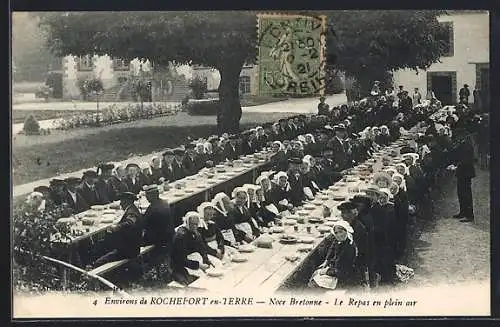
x=291, y=55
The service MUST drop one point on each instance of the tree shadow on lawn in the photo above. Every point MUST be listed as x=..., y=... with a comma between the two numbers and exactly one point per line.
x=49, y=160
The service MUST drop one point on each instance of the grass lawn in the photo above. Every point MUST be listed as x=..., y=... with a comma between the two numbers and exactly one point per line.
x=255, y=100
x=35, y=158
x=18, y=116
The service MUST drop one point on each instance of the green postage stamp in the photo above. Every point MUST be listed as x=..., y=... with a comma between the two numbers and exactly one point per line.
x=291, y=52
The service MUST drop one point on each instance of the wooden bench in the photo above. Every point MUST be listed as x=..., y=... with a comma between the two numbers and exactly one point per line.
x=110, y=266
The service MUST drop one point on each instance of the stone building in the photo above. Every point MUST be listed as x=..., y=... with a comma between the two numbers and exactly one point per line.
x=116, y=75
x=249, y=78
x=466, y=61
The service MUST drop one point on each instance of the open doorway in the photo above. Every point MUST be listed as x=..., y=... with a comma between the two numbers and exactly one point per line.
x=444, y=85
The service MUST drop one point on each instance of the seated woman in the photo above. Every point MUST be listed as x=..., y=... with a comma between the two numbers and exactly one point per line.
x=266, y=187
x=240, y=214
x=210, y=233
x=384, y=138
x=281, y=194
x=403, y=170
x=222, y=204
x=258, y=209
x=311, y=147
x=145, y=173
x=309, y=177
x=337, y=270
x=187, y=240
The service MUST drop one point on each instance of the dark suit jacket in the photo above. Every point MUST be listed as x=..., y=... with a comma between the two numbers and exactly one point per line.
x=230, y=153
x=167, y=172
x=158, y=224
x=464, y=159
x=127, y=238
x=248, y=147
x=297, y=185
x=178, y=170
x=135, y=187
x=339, y=154
x=189, y=165
x=79, y=206
x=91, y=196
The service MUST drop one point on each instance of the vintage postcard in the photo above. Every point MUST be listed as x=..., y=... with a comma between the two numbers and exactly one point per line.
x=250, y=164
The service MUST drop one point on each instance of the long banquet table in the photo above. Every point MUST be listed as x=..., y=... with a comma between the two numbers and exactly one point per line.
x=268, y=270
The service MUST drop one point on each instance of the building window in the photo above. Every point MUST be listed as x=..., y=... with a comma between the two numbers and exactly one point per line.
x=448, y=39
x=85, y=63
x=244, y=84
x=120, y=64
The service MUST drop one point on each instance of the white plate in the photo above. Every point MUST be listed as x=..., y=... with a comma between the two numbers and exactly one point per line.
x=306, y=240
x=246, y=248
x=239, y=258
x=214, y=273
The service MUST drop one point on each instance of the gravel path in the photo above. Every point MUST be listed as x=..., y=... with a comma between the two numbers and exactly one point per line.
x=448, y=251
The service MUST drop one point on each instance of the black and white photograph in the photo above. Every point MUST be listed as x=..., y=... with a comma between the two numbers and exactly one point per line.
x=250, y=163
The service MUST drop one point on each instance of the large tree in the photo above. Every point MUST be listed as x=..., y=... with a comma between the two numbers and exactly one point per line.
x=222, y=40
x=368, y=45
x=32, y=59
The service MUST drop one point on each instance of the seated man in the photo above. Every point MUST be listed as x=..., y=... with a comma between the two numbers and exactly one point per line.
x=89, y=190
x=296, y=182
x=158, y=222
x=71, y=195
x=187, y=240
x=125, y=237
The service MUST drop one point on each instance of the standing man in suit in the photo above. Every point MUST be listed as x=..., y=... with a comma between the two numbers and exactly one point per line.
x=463, y=165
x=464, y=94
x=125, y=237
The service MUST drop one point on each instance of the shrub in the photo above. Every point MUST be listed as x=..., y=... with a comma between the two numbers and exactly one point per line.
x=202, y=107
x=198, y=87
x=31, y=126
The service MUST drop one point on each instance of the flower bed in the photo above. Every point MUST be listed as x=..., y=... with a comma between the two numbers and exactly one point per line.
x=115, y=114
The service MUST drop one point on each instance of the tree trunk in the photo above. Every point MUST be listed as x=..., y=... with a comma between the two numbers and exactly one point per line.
x=229, y=113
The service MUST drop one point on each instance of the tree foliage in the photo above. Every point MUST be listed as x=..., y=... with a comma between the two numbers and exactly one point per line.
x=31, y=58
x=222, y=40
x=363, y=44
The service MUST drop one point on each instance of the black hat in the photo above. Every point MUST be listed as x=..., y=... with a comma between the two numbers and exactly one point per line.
x=56, y=182
x=73, y=181
x=106, y=166
x=360, y=198
x=339, y=128
x=233, y=137
x=90, y=174
x=267, y=125
x=168, y=152
x=151, y=188
x=42, y=189
x=179, y=151
x=281, y=120
x=127, y=196
x=296, y=161
x=344, y=206
x=190, y=146
x=302, y=116
x=132, y=165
